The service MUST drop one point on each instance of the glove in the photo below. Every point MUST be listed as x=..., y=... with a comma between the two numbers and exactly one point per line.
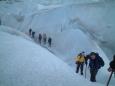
x=86, y=63
x=109, y=69
x=77, y=62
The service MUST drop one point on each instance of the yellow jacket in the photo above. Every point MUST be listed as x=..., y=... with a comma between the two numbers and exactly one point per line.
x=80, y=59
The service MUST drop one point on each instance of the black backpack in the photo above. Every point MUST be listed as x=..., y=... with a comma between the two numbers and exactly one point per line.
x=101, y=62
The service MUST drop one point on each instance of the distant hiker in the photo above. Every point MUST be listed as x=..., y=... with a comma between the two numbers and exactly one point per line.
x=33, y=34
x=30, y=31
x=44, y=38
x=111, y=69
x=50, y=41
x=95, y=63
x=40, y=38
x=80, y=60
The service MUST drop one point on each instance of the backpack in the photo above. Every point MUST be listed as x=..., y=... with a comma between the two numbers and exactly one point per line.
x=101, y=62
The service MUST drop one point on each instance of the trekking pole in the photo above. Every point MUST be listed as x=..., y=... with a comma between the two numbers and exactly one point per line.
x=114, y=74
x=86, y=71
x=109, y=78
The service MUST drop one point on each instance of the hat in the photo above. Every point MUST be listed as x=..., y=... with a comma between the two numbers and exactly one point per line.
x=83, y=52
x=92, y=53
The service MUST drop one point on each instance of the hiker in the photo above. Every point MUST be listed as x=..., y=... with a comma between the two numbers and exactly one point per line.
x=111, y=69
x=86, y=59
x=95, y=63
x=80, y=60
x=40, y=38
x=44, y=38
x=50, y=41
x=30, y=31
x=112, y=65
x=33, y=34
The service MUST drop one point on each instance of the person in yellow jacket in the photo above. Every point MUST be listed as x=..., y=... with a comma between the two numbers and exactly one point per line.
x=80, y=60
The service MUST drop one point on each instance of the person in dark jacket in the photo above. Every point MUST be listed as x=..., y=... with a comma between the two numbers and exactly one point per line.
x=30, y=31
x=44, y=38
x=112, y=65
x=40, y=38
x=50, y=41
x=33, y=34
x=95, y=63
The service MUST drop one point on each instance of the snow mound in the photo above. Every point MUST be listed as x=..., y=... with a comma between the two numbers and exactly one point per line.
x=23, y=63
x=13, y=32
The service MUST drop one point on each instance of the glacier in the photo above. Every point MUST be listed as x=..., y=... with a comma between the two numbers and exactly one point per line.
x=75, y=27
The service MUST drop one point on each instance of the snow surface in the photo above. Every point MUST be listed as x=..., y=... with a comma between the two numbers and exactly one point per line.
x=14, y=32
x=70, y=26
x=23, y=63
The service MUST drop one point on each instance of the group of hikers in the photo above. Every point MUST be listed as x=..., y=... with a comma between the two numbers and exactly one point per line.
x=94, y=63
x=93, y=60
x=41, y=38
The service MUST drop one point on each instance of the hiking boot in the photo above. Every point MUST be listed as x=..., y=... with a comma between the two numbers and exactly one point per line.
x=81, y=73
x=93, y=80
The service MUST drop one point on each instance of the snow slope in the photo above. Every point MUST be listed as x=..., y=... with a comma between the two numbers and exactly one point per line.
x=23, y=63
x=14, y=32
x=95, y=22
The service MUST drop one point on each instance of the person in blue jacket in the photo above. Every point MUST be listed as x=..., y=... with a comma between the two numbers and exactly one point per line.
x=95, y=63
